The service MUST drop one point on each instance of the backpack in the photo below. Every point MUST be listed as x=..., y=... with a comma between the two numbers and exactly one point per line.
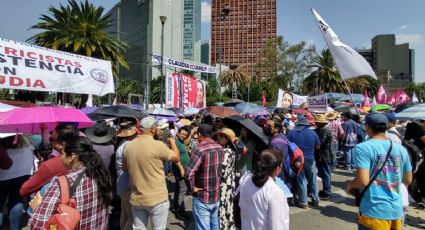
x=414, y=152
x=296, y=154
x=67, y=216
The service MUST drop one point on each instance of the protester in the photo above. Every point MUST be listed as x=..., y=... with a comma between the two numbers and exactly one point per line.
x=93, y=193
x=324, y=155
x=101, y=136
x=227, y=139
x=350, y=138
x=245, y=162
x=127, y=132
x=203, y=174
x=280, y=142
x=143, y=160
x=262, y=203
x=381, y=206
x=337, y=134
x=180, y=188
x=392, y=132
x=416, y=130
x=308, y=141
x=54, y=166
x=21, y=154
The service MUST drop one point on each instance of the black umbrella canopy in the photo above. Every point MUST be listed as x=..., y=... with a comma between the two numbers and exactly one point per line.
x=119, y=111
x=237, y=122
x=402, y=107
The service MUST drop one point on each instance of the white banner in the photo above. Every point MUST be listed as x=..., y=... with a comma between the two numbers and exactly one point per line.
x=298, y=99
x=287, y=99
x=156, y=59
x=29, y=67
x=319, y=102
x=350, y=63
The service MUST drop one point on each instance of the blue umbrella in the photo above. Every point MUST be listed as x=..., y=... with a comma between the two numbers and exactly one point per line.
x=415, y=112
x=246, y=107
x=191, y=111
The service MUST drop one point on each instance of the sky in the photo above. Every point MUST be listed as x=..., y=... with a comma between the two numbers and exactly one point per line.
x=356, y=22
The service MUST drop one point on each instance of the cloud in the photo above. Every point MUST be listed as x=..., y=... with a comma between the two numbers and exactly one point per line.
x=205, y=12
x=403, y=27
x=310, y=42
x=412, y=39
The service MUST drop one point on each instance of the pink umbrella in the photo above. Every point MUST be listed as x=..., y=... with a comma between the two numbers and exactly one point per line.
x=32, y=120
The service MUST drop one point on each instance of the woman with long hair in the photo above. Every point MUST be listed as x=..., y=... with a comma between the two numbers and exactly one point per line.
x=20, y=151
x=262, y=202
x=93, y=193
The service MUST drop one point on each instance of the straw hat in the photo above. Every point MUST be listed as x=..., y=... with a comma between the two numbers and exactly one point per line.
x=185, y=122
x=127, y=129
x=228, y=133
x=332, y=115
x=320, y=118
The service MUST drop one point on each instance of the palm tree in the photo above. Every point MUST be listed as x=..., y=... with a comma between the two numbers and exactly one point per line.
x=235, y=76
x=327, y=78
x=81, y=29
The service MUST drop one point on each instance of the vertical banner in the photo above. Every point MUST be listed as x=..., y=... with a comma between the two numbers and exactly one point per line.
x=284, y=99
x=184, y=91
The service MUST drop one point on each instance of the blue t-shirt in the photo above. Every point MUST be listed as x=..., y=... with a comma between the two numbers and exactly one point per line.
x=382, y=200
x=306, y=139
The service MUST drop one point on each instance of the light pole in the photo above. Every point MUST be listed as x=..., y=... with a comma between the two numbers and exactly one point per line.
x=223, y=14
x=163, y=19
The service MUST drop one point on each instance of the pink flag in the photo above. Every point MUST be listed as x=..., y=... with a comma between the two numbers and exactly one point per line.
x=381, y=96
x=398, y=97
x=366, y=99
x=263, y=97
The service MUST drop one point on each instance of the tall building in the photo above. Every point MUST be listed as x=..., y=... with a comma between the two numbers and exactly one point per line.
x=240, y=31
x=205, y=53
x=393, y=63
x=192, y=30
x=137, y=22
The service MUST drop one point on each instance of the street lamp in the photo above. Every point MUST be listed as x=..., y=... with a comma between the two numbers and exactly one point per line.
x=223, y=15
x=163, y=19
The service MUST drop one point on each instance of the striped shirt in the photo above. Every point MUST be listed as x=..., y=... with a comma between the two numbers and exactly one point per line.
x=93, y=211
x=204, y=170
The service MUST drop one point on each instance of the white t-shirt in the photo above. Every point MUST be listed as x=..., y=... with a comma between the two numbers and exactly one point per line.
x=23, y=163
x=264, y=208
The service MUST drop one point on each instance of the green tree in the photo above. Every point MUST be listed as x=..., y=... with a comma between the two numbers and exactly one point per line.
x=80, y=28
x=418, y=88
x=125, y=87
x=213, y=93
x=235, y=76
x=327, y=78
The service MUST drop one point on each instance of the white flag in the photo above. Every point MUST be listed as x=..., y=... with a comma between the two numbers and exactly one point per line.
x=374, y=101
x=415, y=98
x=89, y=102
x=350, y=63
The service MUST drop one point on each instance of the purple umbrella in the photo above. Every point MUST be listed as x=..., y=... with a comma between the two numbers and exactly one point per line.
x=87, y=110
x=169, y=118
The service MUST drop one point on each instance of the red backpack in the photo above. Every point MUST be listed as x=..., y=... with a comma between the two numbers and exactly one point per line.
x=67, y=216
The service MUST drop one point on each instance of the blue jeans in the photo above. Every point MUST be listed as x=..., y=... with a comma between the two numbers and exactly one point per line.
x=348, y=155
x=335, y=147
x=205, y=215
x=306, y=182
x=324, y=172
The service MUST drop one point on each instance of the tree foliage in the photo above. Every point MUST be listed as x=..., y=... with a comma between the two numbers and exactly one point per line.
x=80, y=28
x=327, y=78
x=126, y=86
x=237, y=74
x=418, y=88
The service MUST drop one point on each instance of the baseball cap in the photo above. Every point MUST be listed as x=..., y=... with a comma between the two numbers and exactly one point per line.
x=390, y=116
x=376, y=120
x=205, y=130
x=148, y=122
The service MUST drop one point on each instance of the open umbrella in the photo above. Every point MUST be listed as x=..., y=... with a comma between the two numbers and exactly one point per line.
x=232, y=102
x=246, y=107
x=237, y=122
x=31, y=120
x=161, y=112
x=191, y=111
x=381, y=107
x=119, y=111
x=89, y=109
x=5, y=107
x=415, y=112
x=219, y=111
x=402, y=107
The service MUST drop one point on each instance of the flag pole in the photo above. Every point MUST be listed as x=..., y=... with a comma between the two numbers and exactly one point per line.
x=351, y=96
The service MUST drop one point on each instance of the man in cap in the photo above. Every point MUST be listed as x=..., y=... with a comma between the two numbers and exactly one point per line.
x=203, y=174
x=308, y=141
x=350, y=138
x=381, y=205
x=324, y=155
x=144, y=160
x=392, y=132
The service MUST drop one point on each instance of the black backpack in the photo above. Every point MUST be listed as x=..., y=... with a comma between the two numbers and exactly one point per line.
x=415, y=154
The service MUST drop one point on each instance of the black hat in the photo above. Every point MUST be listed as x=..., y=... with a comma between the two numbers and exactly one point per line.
x=205, y=130
x=100, y=133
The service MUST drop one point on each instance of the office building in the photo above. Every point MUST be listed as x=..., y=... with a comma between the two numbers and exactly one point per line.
x=137, y=23
x=192, y=30
x=240, y=30
x=205, y=53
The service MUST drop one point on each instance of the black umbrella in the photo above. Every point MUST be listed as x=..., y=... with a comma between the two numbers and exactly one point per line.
x=119, y=111
x=402, y=107
x=98, y=117
x=237, y=122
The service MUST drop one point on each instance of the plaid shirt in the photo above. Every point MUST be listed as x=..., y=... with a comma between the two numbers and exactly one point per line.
x=336, y=129
x=93, y=212
x=204, y=170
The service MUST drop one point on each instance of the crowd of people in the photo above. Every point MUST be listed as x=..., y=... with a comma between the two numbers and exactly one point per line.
x=236, y=181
